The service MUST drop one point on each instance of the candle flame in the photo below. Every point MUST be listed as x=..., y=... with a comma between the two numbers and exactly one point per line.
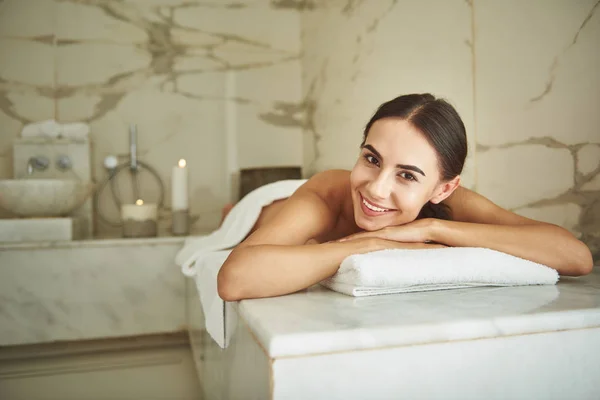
x=182, y=163
x=139, y=202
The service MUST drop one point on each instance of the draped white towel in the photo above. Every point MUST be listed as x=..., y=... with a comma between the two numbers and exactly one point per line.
x=201, y=256
x=400, y=271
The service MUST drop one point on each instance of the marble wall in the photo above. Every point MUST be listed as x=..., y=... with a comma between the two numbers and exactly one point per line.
x=525, y=77
x=225, y=83
x=214, y=82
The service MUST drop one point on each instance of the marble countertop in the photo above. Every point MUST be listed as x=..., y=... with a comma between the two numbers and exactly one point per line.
x=317, y=320
x=99, y=242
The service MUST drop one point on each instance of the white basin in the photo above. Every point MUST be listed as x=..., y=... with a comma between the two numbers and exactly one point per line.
x=43, y=197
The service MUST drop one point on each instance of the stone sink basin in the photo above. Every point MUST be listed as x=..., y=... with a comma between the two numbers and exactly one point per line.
x=43, y=197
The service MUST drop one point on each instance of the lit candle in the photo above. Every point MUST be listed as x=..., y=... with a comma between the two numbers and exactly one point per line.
x=139, y=219
x=179, y=189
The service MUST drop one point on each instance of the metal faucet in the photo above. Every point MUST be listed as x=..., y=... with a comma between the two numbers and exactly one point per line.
x=37, y=163
x=133, y=163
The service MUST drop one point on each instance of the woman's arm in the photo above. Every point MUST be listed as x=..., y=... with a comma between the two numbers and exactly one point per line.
x=272, y=270
x=480, y=223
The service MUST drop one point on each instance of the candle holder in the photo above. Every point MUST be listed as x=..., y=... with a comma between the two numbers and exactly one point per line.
x=181, y=222
x=139, y=229
x=139, y=220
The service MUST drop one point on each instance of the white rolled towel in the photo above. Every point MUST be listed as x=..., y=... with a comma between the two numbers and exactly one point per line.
x=400, y=271
x=53, y=130
x=48, y=129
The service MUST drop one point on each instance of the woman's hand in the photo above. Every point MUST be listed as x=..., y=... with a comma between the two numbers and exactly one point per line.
x=419, y=231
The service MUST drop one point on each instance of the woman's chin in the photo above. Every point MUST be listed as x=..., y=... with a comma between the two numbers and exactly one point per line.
x=367, y=225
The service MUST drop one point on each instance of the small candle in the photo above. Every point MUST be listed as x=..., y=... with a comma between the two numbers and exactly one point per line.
x=139, y=211
x=139, y=219
x=179, y=188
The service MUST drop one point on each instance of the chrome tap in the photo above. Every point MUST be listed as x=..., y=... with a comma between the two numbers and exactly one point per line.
x=37, y=163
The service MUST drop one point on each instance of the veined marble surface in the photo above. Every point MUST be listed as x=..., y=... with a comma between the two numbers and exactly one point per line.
x=90, y=290
x=318, y=320
x=106, y=242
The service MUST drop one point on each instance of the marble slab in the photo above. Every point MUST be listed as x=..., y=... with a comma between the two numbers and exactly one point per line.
x=317, y=320
x=37, y=229
x=554, y=365
x=68, y=291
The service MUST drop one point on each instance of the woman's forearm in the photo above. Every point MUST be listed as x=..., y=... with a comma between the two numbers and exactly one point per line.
x=542, y=243
x=273, y=270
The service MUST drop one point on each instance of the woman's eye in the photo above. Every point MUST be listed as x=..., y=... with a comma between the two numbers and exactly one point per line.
x=371, y=160
x=408, y=176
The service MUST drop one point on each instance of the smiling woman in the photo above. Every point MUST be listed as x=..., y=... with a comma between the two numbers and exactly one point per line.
x=403, y=192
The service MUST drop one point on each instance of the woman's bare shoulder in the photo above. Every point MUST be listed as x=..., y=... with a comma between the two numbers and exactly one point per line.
x=332, y=186
x=308, y=214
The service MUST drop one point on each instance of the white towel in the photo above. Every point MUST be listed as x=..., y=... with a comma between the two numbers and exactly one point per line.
x=201, y=256
x=400, y=271
x=217, y=313
x=52, y=129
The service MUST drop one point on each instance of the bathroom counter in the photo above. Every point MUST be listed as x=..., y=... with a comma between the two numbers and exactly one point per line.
x=90, y=289
x=322, y=321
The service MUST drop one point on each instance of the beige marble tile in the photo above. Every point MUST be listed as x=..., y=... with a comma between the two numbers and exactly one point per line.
x=26, y=61
x=196, y=64
x=262, y=143
x=520, y=175
x=592, y=185
x=277, y=82
x=81, y=22
x=565, y=215
x=245, y=55
x=258, y=25
x=170, y=3
x=207, y=85
x=30, y=106
x=273, y=119
x=193, y=38
x=541, y=77
x=78, y=107
x=588, y=158
x=98, y=63
x=28, y=19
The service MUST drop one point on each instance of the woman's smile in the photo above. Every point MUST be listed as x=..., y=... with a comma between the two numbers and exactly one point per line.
x=372, y=210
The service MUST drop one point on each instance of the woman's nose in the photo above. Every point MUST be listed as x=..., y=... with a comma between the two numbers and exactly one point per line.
x=380, y=187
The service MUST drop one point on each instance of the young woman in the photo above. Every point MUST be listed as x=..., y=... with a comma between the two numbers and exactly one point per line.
x=404, y=192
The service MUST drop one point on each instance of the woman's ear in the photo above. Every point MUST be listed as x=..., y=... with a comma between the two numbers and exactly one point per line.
x=445, y=189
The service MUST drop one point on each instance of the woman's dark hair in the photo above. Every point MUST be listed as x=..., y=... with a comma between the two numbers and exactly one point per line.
x=441, y=125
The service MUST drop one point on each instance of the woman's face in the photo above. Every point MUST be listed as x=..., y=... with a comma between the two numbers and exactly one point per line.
x=396, y=174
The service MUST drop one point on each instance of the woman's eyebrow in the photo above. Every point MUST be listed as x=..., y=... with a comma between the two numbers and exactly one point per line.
x=401, y=166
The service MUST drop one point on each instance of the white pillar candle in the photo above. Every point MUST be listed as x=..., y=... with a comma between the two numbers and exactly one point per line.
x=179, y=187
x=139, y=211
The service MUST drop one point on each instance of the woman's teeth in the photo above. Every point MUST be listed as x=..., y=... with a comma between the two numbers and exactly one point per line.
x=372, y=207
